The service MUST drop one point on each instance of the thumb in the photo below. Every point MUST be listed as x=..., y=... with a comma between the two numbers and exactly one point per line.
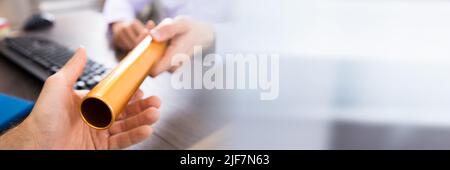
x=75, y=66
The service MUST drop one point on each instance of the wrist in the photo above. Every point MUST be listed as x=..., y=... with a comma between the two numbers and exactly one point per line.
x=20, y=137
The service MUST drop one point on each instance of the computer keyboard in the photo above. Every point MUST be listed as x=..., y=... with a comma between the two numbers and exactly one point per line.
x=42, y=58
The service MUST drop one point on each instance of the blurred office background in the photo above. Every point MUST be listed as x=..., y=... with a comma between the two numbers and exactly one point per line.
x=355, y=74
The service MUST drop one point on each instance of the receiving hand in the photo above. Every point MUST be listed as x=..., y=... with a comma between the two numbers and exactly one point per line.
x=55, y=121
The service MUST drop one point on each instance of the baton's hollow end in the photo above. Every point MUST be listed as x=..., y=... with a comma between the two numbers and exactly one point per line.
x=96, y=113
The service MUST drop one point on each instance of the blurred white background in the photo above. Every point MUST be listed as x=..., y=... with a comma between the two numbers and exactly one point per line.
x=407, y=30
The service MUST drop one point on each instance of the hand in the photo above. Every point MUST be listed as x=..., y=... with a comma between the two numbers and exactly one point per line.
x=55, y=121
x=127, y=35
x=184, y=33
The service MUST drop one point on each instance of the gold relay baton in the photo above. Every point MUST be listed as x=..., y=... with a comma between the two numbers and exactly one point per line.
x=103, y=104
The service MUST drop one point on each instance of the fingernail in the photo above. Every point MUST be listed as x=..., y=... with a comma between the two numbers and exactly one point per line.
x=81, y=47
x=155, y=34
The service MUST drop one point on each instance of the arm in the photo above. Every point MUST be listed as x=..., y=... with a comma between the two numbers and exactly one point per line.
x=126, y=31
x=19, y=137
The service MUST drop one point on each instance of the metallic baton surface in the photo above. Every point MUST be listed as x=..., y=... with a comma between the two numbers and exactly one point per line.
x=103, y=104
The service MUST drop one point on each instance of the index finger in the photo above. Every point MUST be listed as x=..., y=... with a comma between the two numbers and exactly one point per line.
x=138, y=106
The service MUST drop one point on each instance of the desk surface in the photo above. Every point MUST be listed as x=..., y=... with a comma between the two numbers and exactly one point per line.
x=323, y=104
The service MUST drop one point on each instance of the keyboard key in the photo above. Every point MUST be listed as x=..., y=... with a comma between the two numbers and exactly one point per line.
x=99, y=71
x=91, y=83
x=54, y=69
x=97, y=78
x=80, y=85
x=84, y=78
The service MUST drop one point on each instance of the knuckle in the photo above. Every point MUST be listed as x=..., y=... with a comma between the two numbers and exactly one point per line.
x=145, y=132
x=167, y=28
x=54, y=78
x=156, y=99
x=153, y=116
x=154, y=73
